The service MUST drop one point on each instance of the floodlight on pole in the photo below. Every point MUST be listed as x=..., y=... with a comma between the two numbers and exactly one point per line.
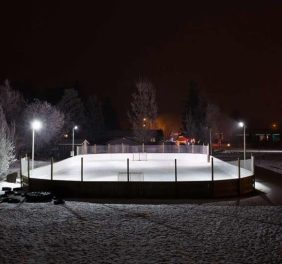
x=35, y=125
x=73, y=129
x=242, y=124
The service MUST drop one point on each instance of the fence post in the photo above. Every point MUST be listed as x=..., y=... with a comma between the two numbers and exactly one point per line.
x=212, y=171
x=143, y=147
x=95, y=149
x=253, y=170
x=253, y=164
x=175, y=169
x=109, y=148
x=128, y=170
x=122, y=148
x=82, y=169
x=239, y=176
x=163, y=147
x=192, y=148
x=212, y=178
x=21, y=172
x=28, y=173
x=51, y=168
x=178, y=148
x=208, y=153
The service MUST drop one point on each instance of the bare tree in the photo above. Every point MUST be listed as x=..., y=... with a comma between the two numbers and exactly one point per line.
x=12, y=102
x=51, y=118
x=143, y=112
x=7, y=146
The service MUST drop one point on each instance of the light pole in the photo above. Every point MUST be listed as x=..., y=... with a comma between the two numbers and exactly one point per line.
x=72, y=149
x=35, y=125
x=242, y=124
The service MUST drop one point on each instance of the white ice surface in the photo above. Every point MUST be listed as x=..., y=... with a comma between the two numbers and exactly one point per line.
x=156, y=167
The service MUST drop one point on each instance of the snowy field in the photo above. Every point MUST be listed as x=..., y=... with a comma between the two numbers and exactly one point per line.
x=271, y=162
x=80, y=232
x=142, y=167
x=267, y=159
x=200, y=232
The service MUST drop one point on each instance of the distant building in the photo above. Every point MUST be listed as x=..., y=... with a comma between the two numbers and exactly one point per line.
x=265, y=137
x=123, y=140
x=64, y=147
x=261, y=138
x=154, y=136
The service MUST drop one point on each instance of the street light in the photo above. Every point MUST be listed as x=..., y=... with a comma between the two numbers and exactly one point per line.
x=72, y=151
x=35, y=125
x=242, y=124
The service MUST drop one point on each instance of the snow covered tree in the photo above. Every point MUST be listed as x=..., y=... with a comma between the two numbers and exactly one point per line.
x=143, y=112
x=52, y=120
x=72, y=107
x=12, y=102
x=7, y=146
x=194, y=116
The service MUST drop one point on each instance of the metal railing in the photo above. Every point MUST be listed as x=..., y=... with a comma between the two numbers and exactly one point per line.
x=85, y=167
x=123, y=148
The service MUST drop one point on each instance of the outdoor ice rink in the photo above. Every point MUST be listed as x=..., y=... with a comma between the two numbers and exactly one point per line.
x=142, y=167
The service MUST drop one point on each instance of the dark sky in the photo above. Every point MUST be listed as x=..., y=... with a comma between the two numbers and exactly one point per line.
x=233, y=49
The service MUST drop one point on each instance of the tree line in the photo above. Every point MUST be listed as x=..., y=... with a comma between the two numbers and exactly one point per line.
x=94, y=116
x=199, y=116
x=17, y=112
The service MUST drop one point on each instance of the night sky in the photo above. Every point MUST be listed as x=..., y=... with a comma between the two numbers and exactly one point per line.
x=232, y=49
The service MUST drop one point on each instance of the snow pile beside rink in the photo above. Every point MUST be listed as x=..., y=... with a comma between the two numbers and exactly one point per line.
x=80, y=232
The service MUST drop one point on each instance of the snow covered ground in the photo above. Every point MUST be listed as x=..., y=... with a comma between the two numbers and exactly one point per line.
x=151, y=167
x=81, y=232
x=191, y=232
x=10, y=184
x=267, y=159
x=271, y=162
